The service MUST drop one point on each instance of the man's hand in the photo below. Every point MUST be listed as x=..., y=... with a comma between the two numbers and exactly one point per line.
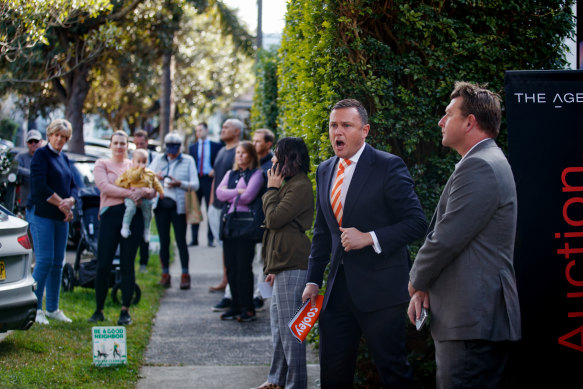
x=310, y=292
x=418, y=300
x=353, y=239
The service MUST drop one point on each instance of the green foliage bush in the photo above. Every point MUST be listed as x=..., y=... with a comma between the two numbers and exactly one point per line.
x=8, y=129
x=401, y=59
x=264, y=110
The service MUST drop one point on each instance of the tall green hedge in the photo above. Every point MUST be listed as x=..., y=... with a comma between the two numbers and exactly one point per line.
x=264, y=109
x=401, y=59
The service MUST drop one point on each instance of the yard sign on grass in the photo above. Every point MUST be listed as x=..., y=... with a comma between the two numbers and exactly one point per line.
x=109, y=346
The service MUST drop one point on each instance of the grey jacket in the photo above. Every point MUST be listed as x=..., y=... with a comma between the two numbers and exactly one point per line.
x=182, y=169
x=466, y=262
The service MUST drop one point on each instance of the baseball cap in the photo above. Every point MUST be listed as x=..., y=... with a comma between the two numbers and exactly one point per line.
x=33, y=134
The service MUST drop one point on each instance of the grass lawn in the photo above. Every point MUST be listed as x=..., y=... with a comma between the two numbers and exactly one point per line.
x=60, y=355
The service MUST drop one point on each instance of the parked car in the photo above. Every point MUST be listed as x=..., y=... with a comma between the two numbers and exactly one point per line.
x=17, y=299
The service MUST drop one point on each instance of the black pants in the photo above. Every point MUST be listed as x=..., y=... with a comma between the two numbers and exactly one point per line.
x=239, y=255
x=144, y=252
x=341, y=326
x=164, y=218
x=108, y=240
x=204, y=191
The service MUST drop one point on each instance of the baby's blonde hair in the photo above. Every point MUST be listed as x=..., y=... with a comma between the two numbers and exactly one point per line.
x=140, y=153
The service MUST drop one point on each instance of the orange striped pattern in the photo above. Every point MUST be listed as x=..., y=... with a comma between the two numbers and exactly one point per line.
x=336, y=189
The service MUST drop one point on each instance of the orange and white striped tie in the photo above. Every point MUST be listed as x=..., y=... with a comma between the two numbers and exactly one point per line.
x=336, y=190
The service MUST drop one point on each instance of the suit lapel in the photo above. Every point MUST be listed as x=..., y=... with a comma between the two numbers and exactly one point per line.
x=358, y=182
x=327, y=182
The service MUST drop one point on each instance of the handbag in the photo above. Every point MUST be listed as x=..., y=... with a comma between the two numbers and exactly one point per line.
x=247, y=224
x=192, y=207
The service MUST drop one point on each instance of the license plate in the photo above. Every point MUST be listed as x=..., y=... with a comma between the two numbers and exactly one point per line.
x=2, y=271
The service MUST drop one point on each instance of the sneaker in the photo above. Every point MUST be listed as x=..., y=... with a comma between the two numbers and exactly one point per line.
x=58, y=315
x=247, y=316
x=124, y=318
x=143, y=268
x=125, y=231
x=258, y=304
x=230, y=315
x=223, y=305
x=97, y=316
x=185, y=281
x=165, y=281
x=40, y=317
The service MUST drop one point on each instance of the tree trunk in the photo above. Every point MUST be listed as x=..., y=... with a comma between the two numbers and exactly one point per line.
x=166, y=95
x=78, y=89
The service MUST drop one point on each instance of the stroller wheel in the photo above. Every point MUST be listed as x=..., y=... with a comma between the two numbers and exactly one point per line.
x=68, y=278
x=116, y=289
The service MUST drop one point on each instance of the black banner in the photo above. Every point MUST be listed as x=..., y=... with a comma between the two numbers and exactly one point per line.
x=544, y=111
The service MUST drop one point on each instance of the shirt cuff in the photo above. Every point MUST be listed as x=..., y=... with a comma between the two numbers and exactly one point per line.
x=375, y=245
x=313, y=283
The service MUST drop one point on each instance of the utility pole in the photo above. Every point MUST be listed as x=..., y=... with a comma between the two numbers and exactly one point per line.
x=259, y=24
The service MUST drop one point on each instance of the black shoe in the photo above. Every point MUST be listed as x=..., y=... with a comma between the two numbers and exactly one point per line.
x=97, y=316
x=247, y=316
x=258, y=303
x=230, y=315
x=124, y=318
x=193, y=243
x=212, y=244
x=223, y=305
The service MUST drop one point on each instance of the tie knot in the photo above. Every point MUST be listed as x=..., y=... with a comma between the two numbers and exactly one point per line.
x=344, y=163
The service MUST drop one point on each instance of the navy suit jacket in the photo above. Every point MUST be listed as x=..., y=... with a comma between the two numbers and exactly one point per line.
x=380, y=198
x=193, y=151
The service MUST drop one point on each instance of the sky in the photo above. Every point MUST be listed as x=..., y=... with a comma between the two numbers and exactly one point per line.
x=273, y=14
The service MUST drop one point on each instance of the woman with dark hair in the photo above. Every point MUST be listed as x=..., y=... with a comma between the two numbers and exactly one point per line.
x=53, y=193
x=111, y=211
x=241, y=186
x=289, y=212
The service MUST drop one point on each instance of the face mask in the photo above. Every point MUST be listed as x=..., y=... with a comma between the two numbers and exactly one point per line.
x=172, y=148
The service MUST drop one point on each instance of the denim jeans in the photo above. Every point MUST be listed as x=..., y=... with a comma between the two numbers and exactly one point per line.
x=49, y=237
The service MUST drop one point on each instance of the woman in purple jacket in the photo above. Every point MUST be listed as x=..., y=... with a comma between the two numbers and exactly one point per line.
x=244, y=182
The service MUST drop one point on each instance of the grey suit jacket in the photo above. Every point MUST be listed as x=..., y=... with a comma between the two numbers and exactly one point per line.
x=466, y=262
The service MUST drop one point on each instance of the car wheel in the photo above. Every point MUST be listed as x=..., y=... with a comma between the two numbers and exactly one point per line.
x=68, y=279
x=116, y=289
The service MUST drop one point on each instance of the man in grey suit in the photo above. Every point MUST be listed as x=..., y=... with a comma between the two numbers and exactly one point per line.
x=464, y=269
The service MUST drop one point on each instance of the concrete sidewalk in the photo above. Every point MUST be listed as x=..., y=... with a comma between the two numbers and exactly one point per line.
x=191, y=347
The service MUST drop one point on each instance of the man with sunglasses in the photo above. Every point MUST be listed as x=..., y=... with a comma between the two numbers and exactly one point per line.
x=34, y=140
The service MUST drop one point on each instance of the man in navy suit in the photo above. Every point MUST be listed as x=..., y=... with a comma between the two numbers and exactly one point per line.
x=204, y=152
x=367, y=213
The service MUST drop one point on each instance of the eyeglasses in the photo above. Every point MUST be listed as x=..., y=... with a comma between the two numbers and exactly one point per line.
x=33, y=141
x=172, y=144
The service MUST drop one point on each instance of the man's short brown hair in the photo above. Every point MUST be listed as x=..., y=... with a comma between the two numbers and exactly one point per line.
x=268, y=135
x=141, y=134
x=482, y=103
x=353, y=103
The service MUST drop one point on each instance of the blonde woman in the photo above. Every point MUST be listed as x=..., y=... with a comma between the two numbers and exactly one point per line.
x=53, y=196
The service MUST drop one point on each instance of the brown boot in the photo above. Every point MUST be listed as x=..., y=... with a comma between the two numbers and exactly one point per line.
x=165, y=281
x=185, y=281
